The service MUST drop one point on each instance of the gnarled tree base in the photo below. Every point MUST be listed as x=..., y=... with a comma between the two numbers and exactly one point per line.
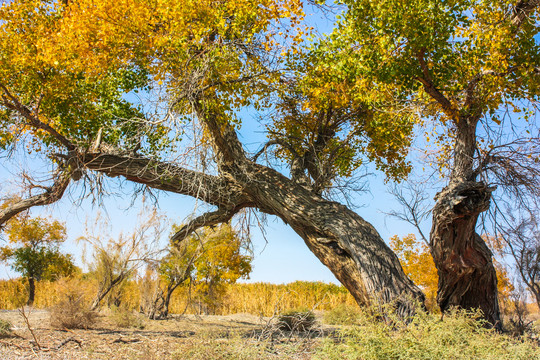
x=467, y=277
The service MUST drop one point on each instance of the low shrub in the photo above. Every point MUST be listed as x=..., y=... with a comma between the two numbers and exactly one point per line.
x=124, y=318
x=296, y=320
x=72, y=310
x=342, y=314
x=459, y=336
x=72, y=313
x=5, y=328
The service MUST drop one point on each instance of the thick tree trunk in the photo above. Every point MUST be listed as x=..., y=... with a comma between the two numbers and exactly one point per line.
x=467, y=277
x=348, y=245
x=164, y=311
x=31, y=291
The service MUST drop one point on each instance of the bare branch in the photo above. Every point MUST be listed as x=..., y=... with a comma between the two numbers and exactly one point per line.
x=415, y=208
x=272, y=143
x=51, y=195
x=207, y=219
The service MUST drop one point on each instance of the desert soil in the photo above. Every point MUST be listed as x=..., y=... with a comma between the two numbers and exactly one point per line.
x=180, y=337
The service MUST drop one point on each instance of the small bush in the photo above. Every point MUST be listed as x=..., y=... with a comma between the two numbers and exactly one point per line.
x=296, y=320
x=124, y=318
x=72, y=310
x=72, y=313
x=342, y=315
x=5, y=328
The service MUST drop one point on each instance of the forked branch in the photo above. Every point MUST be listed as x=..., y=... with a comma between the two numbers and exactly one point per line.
x=49, y=196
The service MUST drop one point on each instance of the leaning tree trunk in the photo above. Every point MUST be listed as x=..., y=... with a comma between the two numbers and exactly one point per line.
x=348, y=245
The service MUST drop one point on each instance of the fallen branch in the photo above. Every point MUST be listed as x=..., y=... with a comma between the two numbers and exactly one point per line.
x=67, y=341
x=10, y=344
x=129, y=341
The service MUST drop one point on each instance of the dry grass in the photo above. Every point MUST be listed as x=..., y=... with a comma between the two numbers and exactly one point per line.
x=241, y=336
x=257, y=298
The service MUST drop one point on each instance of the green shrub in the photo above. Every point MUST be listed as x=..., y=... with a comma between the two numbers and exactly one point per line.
x=125, y=318
x=5, y=328
x=296, y=320
x=459, y=336
x=342, y=314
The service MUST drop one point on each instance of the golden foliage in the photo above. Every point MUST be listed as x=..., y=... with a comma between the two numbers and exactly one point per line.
x=418, y=264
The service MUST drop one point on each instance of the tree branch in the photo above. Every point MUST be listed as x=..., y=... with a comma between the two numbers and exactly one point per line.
x=225, y=139
x=275, y=142
x=51, y=195
x=168, y=177
x=522, y=10
x=11, y=102
x=430, y=88
x=415, y=207
x=207, y=219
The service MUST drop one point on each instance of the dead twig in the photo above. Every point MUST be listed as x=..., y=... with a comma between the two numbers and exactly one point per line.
x=25, y=317
x=10, y=344
x=67, y=341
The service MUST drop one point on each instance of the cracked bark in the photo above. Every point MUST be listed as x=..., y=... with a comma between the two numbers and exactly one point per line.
x=347, y=244
x=467, y=277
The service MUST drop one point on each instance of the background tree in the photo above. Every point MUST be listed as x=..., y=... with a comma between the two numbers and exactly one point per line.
x=115, y=260
x=205, y=261
x=469, y=70
x=33, y=250
x=199, y=65
x=170, y=272
x=418, y=264
x=223, y=261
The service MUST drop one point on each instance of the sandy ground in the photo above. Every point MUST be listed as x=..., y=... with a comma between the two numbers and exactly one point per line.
x=174, y=338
